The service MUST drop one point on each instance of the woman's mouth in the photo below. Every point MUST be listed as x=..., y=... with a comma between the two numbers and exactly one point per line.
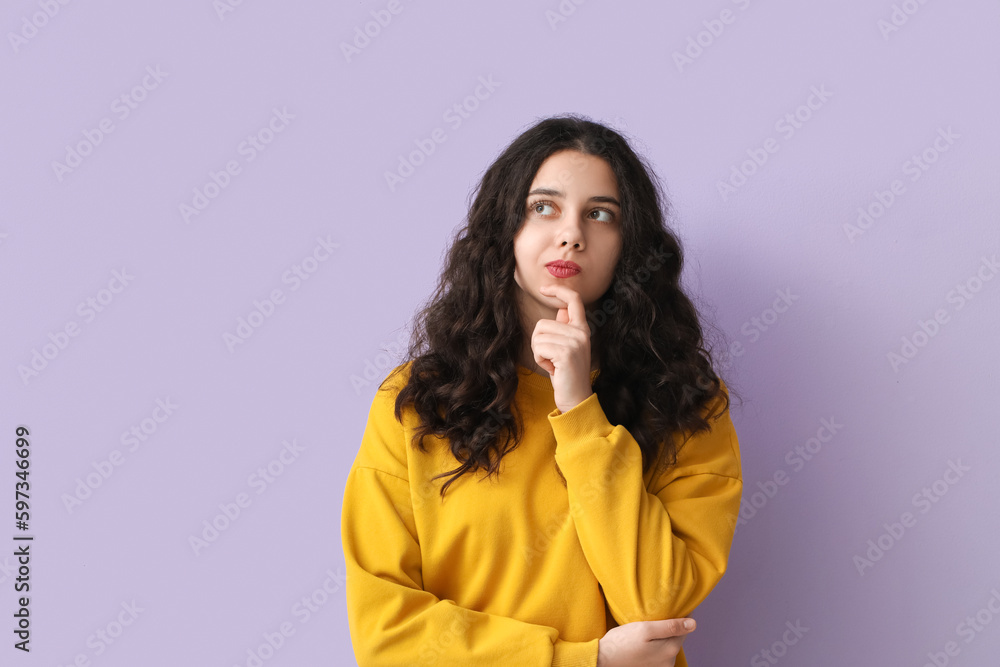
x=563, y=269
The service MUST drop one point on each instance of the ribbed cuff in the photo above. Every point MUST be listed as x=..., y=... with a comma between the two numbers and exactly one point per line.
x=575, y=654
x=585, y=419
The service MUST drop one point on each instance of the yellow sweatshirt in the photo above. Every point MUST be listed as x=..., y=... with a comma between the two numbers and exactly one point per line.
x=516, y=571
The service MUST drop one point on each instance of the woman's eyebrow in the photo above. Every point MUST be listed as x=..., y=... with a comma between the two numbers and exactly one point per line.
x=549, y=192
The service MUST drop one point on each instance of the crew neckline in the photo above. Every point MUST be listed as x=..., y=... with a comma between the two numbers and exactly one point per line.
x=538, y=381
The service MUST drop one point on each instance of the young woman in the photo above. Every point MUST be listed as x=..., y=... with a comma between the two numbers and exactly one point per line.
x=560, y=381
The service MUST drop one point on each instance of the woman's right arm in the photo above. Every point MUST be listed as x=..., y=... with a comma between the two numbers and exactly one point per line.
x=392, y=620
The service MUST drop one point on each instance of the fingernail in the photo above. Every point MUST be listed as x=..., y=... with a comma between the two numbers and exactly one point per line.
x=688, y=624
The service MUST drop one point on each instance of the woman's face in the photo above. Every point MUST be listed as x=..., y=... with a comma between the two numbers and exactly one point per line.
x=573, y=214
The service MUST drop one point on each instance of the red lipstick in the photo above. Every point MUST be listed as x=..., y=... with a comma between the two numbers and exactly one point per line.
x=563, y=268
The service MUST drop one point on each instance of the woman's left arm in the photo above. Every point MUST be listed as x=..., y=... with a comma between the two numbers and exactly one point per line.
x=657, y=555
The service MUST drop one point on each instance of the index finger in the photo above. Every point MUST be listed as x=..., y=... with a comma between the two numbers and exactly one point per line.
x=574, y=303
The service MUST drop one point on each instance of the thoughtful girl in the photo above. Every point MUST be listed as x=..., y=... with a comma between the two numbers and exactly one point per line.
x=559, y=380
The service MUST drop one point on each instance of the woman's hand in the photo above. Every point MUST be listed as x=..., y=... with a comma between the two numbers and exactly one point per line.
x=643, y=643
x=562, y=347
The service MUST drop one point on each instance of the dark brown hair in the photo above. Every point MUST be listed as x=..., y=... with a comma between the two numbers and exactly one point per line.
x=656, y=376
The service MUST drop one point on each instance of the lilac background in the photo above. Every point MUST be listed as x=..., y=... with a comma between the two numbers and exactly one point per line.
x=309, y=372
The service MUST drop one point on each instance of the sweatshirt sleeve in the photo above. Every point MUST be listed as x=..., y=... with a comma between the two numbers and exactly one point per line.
x=392, y=620
x=657, y=554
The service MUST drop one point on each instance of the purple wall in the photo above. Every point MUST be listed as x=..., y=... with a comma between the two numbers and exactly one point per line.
x=130, y=180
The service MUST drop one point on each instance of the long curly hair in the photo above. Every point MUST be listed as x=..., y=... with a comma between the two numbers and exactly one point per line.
x=656, y=374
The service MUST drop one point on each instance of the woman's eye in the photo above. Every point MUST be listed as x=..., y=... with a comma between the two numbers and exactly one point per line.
x=608, y=216
x=539, y=205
